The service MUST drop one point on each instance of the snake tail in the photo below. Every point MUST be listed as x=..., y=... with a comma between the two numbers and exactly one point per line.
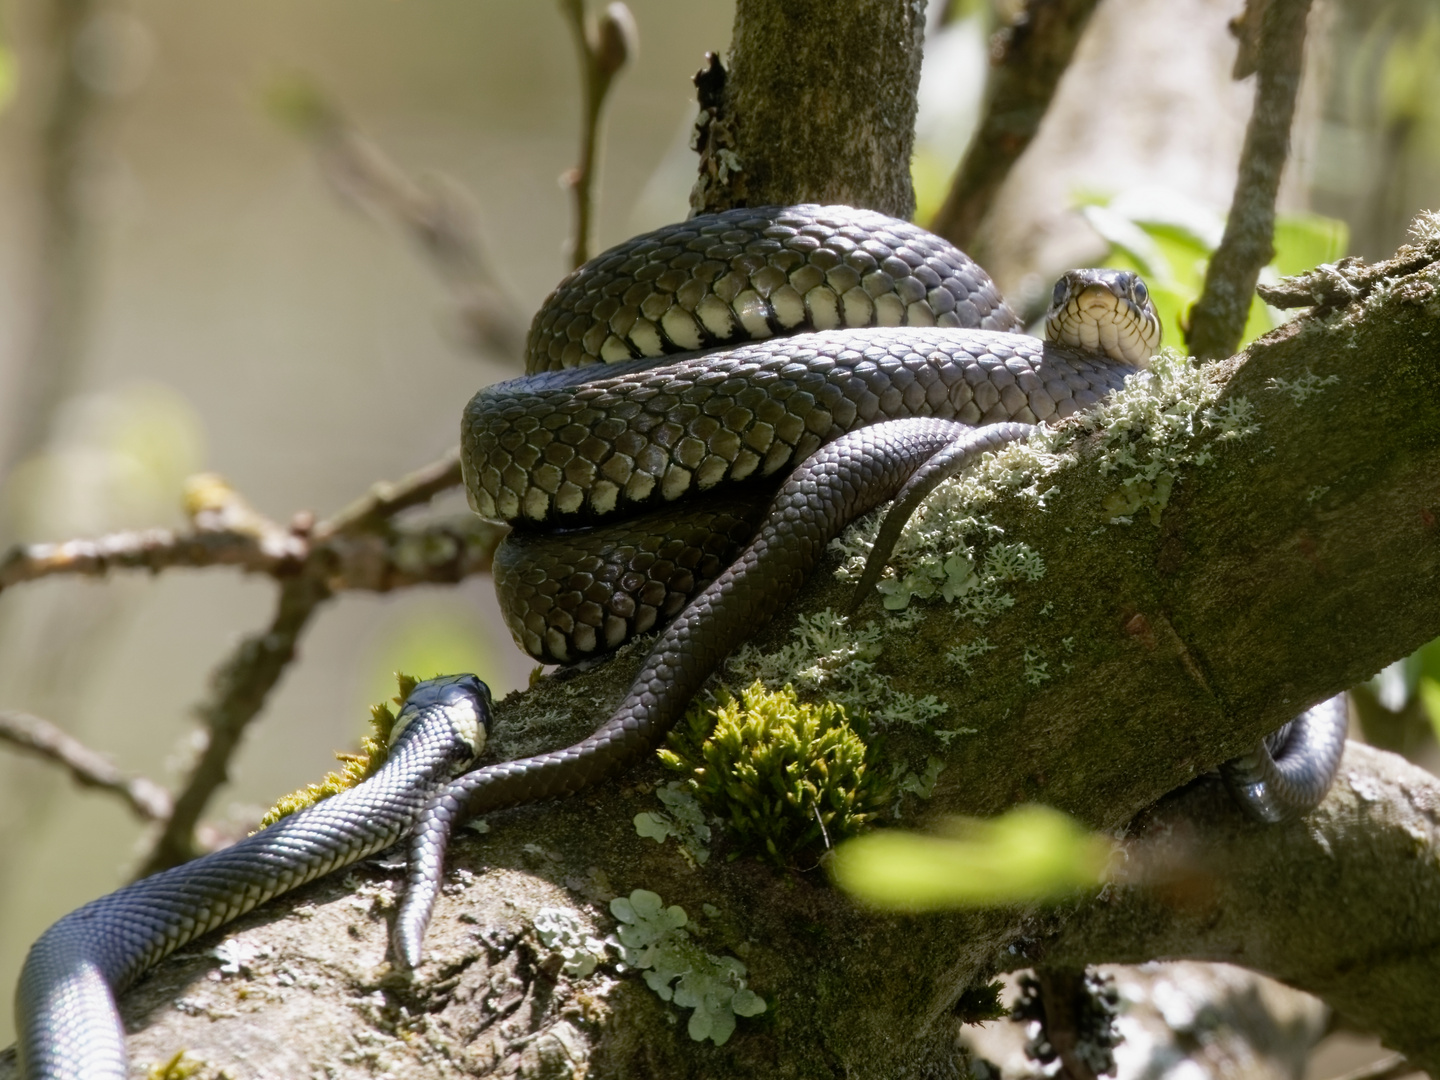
x=947, y=463
x=1290, y=770
x=835, y=485
x=68, y=1025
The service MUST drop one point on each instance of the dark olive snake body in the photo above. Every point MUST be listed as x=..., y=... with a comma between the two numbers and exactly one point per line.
x=767, y=449
x=65, y=1014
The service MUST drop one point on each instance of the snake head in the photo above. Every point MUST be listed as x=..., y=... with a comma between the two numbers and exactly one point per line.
x=463, y=700
x=1104, y=310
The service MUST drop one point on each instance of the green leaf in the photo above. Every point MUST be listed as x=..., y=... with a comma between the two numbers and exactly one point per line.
x=1032, y=853
x=1430, y=698
x=1304, y=241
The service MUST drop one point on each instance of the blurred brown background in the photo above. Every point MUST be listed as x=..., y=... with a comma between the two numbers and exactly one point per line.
x=231, y=312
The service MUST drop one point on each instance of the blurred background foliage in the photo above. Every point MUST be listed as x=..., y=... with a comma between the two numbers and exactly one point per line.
x=187, y=286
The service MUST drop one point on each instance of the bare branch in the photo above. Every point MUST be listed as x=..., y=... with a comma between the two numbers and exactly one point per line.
x=1218, y=318
x=604, y=46
x=387, y=498
x=436, y=213
x=238, y=692
x=1028, y=58
x=358, y=548
x=88, y=768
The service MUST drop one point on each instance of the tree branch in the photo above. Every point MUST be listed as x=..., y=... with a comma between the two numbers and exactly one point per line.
x=1218, y=318
x=1387, y=1068
x=1284, y=566
x=358, y=548
x=813, y=82
x=388, y=498
x=604, y=45
x=239, y=689
x=146, y=799
x=1028, y=58
x=1344, y=904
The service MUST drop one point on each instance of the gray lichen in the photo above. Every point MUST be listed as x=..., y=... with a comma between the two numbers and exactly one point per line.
x=652, y=938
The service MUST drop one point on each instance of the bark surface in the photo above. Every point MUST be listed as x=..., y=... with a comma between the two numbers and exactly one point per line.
x=818, y=106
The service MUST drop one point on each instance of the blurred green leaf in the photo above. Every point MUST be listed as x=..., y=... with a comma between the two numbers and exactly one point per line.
x=432, y=639
x=296, y=101
x=1304, y=241
x=9, y=76
x=1430, y=698
x=119, y=459
x=930, y=175
x=1169, y=240
x=1031, y=853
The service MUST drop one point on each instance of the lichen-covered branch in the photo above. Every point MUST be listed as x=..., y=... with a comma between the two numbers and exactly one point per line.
x=818, y=106
x=1196, y=569
x=1218, y=317
x=1344, y=904
x=1028, y=59
x=146, y=799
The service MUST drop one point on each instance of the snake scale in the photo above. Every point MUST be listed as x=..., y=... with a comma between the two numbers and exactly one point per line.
x=733, y=391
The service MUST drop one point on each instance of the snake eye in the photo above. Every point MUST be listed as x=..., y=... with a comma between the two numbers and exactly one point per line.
x=1058, y=294
x=1140, y=292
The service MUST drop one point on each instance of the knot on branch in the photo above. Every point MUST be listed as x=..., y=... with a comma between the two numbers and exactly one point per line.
x=1335, y=285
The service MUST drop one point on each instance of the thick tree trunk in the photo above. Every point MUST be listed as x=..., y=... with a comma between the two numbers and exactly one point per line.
x=818, y=106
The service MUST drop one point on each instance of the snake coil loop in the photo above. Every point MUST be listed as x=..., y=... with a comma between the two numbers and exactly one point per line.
x=736, y=468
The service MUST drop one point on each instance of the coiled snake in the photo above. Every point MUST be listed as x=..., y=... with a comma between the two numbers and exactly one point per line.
x=907, y=369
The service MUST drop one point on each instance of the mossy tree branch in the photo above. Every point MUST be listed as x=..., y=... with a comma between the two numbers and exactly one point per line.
x=1299, y=559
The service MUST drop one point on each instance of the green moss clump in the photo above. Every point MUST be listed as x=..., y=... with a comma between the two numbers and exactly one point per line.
x=354, y=768
x=781, y=773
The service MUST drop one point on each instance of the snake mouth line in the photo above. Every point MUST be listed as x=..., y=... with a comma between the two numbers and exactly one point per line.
x=1107, y=311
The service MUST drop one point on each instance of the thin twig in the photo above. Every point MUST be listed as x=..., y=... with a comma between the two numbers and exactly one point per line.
x=387, y=498
x=238, y=691
x=358, y=548
x=604, y=47
x=435, y=212
x=1028, y=59
x=1218, y=318
x=1387, y=1068
x=87, y=767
